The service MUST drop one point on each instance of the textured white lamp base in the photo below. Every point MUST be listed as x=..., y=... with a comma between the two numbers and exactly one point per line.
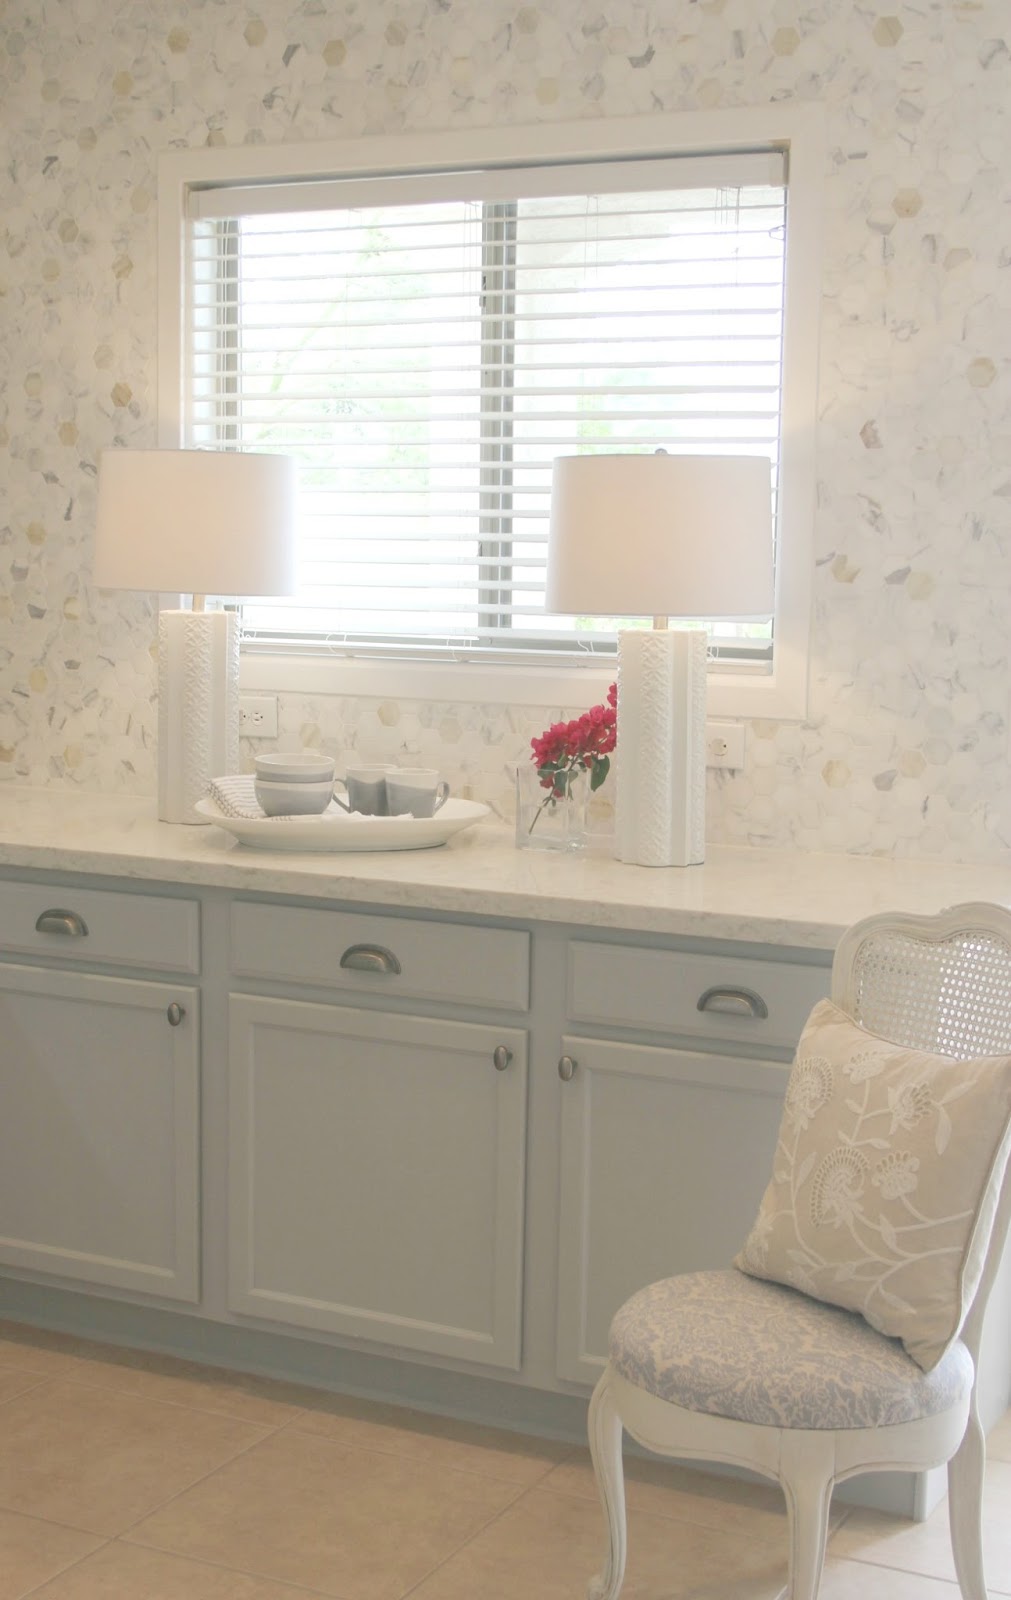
x=660, y=811
x=198, y=707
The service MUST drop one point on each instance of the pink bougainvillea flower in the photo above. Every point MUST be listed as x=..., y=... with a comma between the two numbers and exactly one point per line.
x=569, y=747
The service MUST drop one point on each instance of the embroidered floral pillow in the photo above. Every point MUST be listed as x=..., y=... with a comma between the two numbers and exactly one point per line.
x=885, y=1180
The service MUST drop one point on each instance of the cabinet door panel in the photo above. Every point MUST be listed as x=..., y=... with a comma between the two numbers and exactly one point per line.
x=377, y=1176
x=665, y=1155
x=98, y=1132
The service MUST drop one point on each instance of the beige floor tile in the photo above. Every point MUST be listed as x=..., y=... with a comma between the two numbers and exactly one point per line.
x=548, y=1546
x=16, y=1381
x=512, y=1456
x=187, y=1383
x=998, y=1442
x=97, y=1460
x=32, y=1551
x=126, y=1572
x=925, y=1547
x=756, y=1510
x=357, y=1523
x=856, y=1580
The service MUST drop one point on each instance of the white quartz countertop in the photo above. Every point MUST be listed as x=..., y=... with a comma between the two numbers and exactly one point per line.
x=768, y=896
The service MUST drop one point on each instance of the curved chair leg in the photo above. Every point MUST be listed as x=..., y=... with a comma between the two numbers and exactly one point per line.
x=806, y=1473
x=605, y=1430
x=965, y=1509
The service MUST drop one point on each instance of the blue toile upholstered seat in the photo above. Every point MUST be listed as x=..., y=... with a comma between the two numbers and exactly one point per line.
x=845, y=1339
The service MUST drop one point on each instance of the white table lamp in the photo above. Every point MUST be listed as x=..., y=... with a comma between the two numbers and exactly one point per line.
x=195, y=522
x=662, y=536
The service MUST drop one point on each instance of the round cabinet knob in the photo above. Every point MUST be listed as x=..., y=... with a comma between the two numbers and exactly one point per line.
x=566, y=1067
x=175, y=1014
x=501, y=1057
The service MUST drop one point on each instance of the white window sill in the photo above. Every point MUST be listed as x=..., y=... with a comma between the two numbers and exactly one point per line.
x=571, y=687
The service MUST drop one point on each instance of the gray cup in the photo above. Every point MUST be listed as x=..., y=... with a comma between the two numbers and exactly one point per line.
x=415, y=790
x=366, y=790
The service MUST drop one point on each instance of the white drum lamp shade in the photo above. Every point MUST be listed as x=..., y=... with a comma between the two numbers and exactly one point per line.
x=195, y=522
x=661, y=536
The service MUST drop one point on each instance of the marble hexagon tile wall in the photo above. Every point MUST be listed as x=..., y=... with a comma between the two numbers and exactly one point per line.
x=906, y=745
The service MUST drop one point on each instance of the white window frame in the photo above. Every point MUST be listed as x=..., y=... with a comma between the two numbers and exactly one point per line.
x=798, y=130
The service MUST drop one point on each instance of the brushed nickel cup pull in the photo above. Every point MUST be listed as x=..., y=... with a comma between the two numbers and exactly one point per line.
x=566, y=1067
x=734, y=1002
x=66, y=923
x=501, y=1057
x=370, y=958
x=175, y=1014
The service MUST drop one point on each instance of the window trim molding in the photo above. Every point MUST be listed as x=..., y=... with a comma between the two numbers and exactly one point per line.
x=798, y=129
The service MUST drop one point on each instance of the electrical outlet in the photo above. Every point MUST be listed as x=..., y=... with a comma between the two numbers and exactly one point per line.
x=724, y=744
x=258, y=716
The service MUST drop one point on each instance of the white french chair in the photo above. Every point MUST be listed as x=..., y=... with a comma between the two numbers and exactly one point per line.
x=734, y=1369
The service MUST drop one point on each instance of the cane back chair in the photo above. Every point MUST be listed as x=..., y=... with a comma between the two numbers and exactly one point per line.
x=940, y=984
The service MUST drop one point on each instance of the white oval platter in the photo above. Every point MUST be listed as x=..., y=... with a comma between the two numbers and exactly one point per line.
x=336, y=829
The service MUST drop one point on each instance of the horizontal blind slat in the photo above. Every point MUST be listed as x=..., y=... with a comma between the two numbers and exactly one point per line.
x=425, y=357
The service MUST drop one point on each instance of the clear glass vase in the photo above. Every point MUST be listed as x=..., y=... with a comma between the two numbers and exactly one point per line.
x=549, y=821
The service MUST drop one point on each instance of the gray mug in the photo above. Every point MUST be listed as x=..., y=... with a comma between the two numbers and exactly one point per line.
x=417, y=790
x=366, y=788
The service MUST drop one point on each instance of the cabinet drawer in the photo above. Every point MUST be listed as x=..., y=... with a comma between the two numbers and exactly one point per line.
x=94, y=925
x=423, y=960
x=661, y=991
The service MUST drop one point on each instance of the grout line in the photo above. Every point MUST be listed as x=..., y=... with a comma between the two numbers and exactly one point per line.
x=150, y=1512
x=212, y=1566
x=478, y=1532
x=684, y=1514
x=163, y=1504
x=420, y=1463
x=235, y=1572
x=50, y=1522
x=834, y=1526
x=271, y=1578
x=79, y=1561
x=124, y=1535
x=740, y=1535
x=908, y=1572
x=575, y=1499
x=159, y=1400
x=101, y=1353
x=381, y=1447
x=77, y=1375
x=37, y=1382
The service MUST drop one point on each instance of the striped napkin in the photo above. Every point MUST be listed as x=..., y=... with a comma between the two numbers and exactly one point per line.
x=235, y=796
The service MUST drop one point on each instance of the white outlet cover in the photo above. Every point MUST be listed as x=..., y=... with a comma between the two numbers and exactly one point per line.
x=258, y=716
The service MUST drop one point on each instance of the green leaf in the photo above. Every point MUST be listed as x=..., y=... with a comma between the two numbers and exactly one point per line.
x=598, y=772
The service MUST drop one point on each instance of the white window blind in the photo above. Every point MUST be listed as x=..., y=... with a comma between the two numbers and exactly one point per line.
x=426, y=344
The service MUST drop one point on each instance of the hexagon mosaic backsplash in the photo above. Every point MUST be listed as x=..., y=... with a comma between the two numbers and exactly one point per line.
x=905, y=749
